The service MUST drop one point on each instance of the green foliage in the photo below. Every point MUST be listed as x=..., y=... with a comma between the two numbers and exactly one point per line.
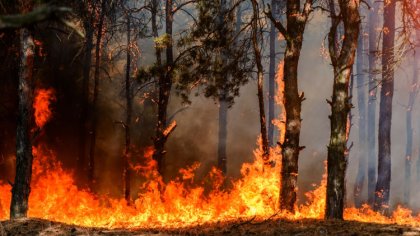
x=215, y=62
x=163, y=41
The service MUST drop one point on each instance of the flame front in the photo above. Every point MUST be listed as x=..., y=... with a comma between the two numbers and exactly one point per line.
x=56, y=197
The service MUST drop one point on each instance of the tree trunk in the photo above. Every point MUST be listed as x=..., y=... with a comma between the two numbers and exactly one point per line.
x=361, y=103
x=165, y=85
x=21, y=187
x=340, y=105
x=272, y=80
x=293, y=33
x=222, y=137
x=371, y=116
x=260, y=80
x=91, y=166
x=382, y=190
x=84, y=99
x=129, y=107
x=409, y=126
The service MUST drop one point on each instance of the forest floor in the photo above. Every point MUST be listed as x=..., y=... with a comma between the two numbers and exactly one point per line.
x=268, y=227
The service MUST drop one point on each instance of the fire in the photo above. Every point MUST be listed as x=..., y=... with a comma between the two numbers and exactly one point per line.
x=41, y=105
x=56, y=197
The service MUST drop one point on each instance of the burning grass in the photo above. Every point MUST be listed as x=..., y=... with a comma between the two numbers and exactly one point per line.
x=55, y=197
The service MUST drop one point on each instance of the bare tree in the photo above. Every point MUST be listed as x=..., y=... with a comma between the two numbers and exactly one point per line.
x=342, y=61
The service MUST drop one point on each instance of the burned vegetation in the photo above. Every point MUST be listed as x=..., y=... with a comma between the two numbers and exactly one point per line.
x=170, y=117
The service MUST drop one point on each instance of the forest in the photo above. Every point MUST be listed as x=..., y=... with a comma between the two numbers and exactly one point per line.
x=273, y=117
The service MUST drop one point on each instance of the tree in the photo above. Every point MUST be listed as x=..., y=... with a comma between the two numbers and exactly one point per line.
x=129, y=111
x=256, y=37
x=361, y=104
x=21, y=187
x=383, y=184
x=293, y=33
x=409, y=129
x=215, y=58
x=93, y=128
x=372, y=90
x=165, y=85
x=342, y=61
x=88, y=21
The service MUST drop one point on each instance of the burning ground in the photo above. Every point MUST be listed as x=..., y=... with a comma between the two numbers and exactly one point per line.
x=239, y=227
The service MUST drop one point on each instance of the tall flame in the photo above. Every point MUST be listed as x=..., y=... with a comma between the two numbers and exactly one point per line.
x=41, y=105
x=56, y=197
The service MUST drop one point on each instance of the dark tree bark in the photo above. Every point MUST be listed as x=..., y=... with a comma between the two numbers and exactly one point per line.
x=382, y=190
x=293, y=33
x=371, y=116
x=361, y=103
x=129, y=108
x=21, y=187
x=340, y=106
x=165, y=85
x=98, y=52
x=260, y=79
x=84, y=99
x=272, y=79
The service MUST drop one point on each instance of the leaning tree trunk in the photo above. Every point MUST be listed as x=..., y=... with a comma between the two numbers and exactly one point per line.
x=21, y=187
x=129, y=108
x=165, y=85
x=361, y=103
x=84, y=99
x=340, y=105
x=371, y=114
x=260, y=80
x=91, y=166
x=383, y=184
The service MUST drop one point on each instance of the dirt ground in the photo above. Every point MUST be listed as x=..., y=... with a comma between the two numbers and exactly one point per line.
x=271, y=227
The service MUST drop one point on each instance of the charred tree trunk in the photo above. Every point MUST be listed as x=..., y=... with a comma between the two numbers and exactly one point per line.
x=84, y=101
x=293, y=33
x=371, y=114
x=260, y=80
x=165, y=85
x=340, y=105
x=383, y=184
x=272, y=79
x=129, y=107
x=98, y=49
x=361, y=103
x=21, y=187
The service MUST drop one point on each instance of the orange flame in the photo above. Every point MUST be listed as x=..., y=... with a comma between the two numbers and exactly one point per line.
x=56, y=197
x=41, y=105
